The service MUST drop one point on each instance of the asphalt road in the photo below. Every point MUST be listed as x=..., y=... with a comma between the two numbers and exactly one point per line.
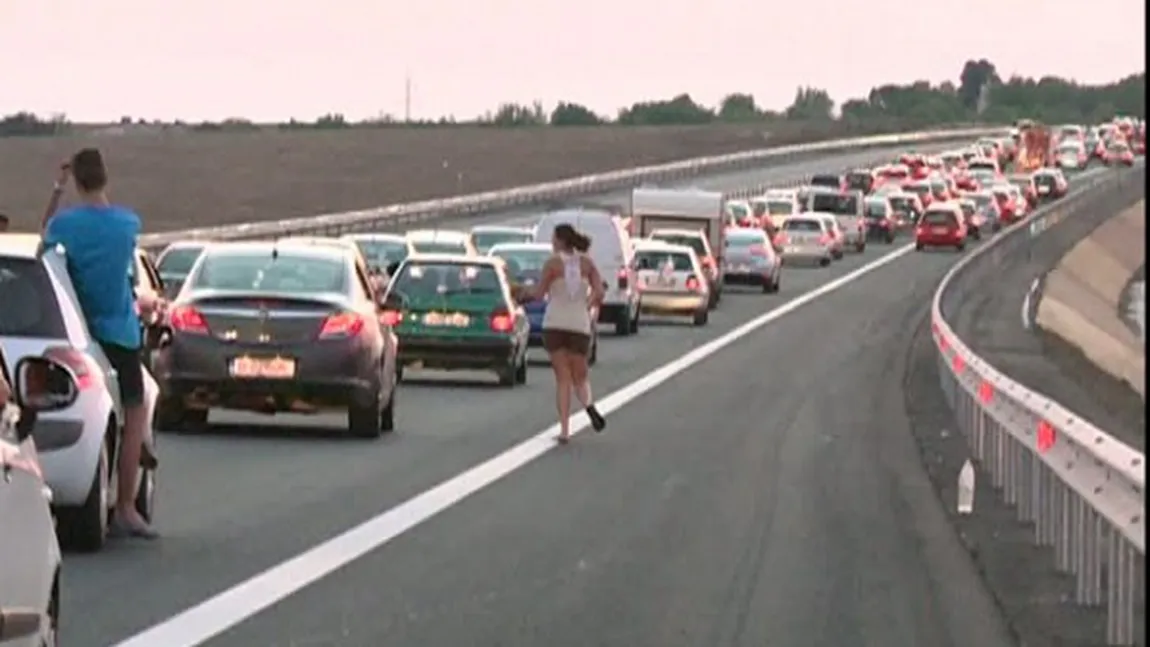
x=770, y=492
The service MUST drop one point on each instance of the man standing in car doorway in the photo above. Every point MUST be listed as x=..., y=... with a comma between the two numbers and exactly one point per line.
x=99, y=239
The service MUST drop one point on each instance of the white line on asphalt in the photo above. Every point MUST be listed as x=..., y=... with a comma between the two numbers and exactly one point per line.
x=1026, y=301
x=215, y=615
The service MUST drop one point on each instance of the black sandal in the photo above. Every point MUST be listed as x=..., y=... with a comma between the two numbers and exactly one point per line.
x=563, y=440
x=598, y=422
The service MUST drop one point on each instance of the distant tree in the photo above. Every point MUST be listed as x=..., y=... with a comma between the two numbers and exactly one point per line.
x=681, y=110
x=24, y=124
x=974, y=77
x=512, y=115
x=811, y=104
x=739, y=107
x=573, y=114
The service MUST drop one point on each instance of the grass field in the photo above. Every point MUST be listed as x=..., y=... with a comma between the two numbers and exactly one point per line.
x=177, y=179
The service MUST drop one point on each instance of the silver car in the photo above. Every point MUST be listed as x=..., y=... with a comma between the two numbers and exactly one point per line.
x=847, y=208
x=806, y=238
x=77, y=444
x=176, y=261
x=30, y=557
x=484, y=237
x=672, y=280
x=751, y=259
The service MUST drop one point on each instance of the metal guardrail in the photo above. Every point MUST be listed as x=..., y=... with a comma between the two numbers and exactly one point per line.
x=1083, y=490
x=406, y=214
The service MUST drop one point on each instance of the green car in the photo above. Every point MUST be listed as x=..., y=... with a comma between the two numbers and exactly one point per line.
x=453, y=312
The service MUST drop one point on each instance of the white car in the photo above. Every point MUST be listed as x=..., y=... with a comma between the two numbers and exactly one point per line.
x=672, y=280
x=30, y=557
x=77, y=444
x=441, y=241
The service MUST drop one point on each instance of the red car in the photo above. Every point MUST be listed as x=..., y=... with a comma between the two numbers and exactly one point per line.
x=965, y=182
x=942, y=225
x=1025, y=184
x=1118, y=153
x=1009, y=211
x=922, y=189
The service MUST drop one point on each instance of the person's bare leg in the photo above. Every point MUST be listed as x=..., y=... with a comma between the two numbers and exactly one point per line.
x=128, y=467
x=562, y=370
x=581, y=381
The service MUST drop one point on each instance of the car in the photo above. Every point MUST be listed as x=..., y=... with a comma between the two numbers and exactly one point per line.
x=441, y=241
x=380, y=250
x=975, y=222
x=752, y=260
x=672, y=280
x=612, y=253
x=984, y=163
x=1050, y=183
x=808, y=238
x=838, y=237
x=861, y=179
x=1118, y=153
x=986, y=204
x=882, y=223
x=1024, y=182
x=984, y=177
x=1095, y=146
x=31, y=561
x=455, y=312
x=777, y=206
x=892, y=174
x=922, y=189
x=940, y=189
x=953, y=161
x=176, y=261
x=942, y=225
x=1071, y=155
x=907, y=207
x=278, y=327
x=697, y=240
x=847, y=208
x=523, y=263
x=1011, y=206
x=77, y=444
x=832, y=181
x=741, y=213
x=484, y=237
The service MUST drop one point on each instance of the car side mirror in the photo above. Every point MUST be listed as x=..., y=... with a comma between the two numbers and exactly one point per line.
x=44, y=385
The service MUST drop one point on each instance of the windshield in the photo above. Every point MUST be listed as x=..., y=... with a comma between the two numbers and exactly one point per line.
x=523, y=261
x=439, y=247
x=835, y=203
x=803, y=226
x=876, y=209
x=26, y=282
x=1044, y=180
x=894, y=173
x=178, y=262
x=968, y=208
x=381, y=253
x=743, y=240
x=832, y=181
x=739, y=211
x=860, y=181
x=288, y=271
x=653, y=260
x=485, y=240
x=982, y=200
x=418, y=279
x=694, y=242
x=938, y=218
x=981, y=165
x=921, y=189
x=1117, y=147
x=780, y=207
x=902, y=203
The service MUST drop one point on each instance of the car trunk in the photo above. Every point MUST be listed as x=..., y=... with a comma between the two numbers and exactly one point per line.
x=449, y=315
x=265, y=319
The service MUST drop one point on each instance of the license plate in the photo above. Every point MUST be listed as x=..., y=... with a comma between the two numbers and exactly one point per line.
x=742, y=269
x=940, y=230
x=792, y=249
x=453, y=320
x=275, y=368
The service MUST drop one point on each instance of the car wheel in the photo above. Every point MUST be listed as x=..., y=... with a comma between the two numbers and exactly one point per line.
x=824, y=261
x=976, y=233
x=889, y=238
x=623, y=324
x=634, y=327
x=960, y=247
x=860, y=247
x=918, y=246
x=363, y=421
x=506, y=374
x=172, y=415
x=387, y=416
x=521, y=370
x=85, y=528
x=398, y=372
x=701, y=317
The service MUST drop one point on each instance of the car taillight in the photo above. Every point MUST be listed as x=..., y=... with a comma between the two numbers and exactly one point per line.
x=187, y=319
x=502, y=321
x=758, y=250
x=390, y=317
x=693, y=284
x=623, y=279
x=825, y=239
x=780, y=239
x=88, y=374
x=342, y=324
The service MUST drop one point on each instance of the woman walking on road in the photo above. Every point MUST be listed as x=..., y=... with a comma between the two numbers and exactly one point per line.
x=572, y=285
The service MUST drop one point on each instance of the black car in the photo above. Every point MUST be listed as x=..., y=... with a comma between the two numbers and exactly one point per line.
x=827, y=180
x=278, y=327
x=175, y=262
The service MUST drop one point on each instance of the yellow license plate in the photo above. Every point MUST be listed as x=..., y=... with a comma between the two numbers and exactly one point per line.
x=273, y=368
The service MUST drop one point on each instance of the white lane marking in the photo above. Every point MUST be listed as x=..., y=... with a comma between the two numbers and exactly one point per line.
x=215, y=615
x=1026, y=301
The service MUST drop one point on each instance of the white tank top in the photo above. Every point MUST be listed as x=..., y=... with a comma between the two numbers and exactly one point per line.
x=567, y=299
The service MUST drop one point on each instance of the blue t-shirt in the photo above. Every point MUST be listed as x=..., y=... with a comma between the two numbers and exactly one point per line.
x=100, y=245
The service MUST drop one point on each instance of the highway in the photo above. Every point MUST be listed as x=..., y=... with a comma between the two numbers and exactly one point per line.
x=771, y=494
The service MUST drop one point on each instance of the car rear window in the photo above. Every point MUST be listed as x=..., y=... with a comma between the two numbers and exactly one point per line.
x=653, y=260
x=876, y=209
x=438, y=247
x=521, y=261
x=780, y=207
x=489, y=239
x=938, y=218
x=803, y=226
x=694, y=242
x=921, y=189
x=860, y=181
x=901, y=203
x=742, y=241
x=835, y=203
x=381, y=253
x=420, y=279
x=738, y=210
x=263, y=271
x=25, y=282
x=180, y=260
x=968, y=208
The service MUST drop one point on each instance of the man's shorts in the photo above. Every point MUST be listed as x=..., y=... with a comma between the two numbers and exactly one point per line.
x=570, y=341
x=129, y=366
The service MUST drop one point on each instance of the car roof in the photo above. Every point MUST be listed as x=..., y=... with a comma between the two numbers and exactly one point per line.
x=446, y=235
x=398, y=238
x=461, y=259
x=21, y=245
x=527, y=247
x=501, y=229
x=698, y=233
x=294, y=245
x=189, y=243
x=745, y=232
x=648, y=245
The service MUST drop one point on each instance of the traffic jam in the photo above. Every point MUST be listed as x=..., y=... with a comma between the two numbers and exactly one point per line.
x=309, y=325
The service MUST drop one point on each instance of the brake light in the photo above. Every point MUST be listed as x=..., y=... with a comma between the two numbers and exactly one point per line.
x=87, y=373
x=623, y=279
x=390, y=317
x=825, y=239
x=693, y=284
x=780, y=239
x=758, y=250
x=343, y=324
x=502, y=321
x=187, y=319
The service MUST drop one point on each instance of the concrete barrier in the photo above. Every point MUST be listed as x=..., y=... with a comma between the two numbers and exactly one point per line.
x=1082, y=297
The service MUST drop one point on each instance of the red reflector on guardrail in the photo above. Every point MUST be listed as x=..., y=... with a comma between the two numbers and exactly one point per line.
x=986, y=393
x=959, y=364
x=1047, y=436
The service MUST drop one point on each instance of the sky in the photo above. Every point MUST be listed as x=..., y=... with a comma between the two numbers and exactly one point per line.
x=268, y=60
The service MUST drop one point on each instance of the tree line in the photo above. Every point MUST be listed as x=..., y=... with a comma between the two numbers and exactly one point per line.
x=981, y=95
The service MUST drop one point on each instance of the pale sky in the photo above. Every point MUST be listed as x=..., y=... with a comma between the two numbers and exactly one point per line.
x=274, y=59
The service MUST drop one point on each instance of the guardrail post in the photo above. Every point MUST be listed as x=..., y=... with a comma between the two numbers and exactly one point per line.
x=1120, y=598
x=1062, y=528
x=1088, y=591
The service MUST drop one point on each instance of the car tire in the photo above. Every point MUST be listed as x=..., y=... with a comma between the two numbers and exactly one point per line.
x=634, y=324
x=860, y=247
x=889, y=238
x=837, y=255
x=918, y=246
x=623, y=324
x=976, y=233
x=364, y=421
x=398, y=373
x=172, y=415
x=521, y=370
x=701, y=317
x=960, y=247
x=85, y=528
x=824, y=261
x=387, y=416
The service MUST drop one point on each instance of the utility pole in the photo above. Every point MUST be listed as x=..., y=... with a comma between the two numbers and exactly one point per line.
x=407, y=99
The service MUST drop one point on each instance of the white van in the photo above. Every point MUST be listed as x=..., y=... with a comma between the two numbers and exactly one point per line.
x=611, y=250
